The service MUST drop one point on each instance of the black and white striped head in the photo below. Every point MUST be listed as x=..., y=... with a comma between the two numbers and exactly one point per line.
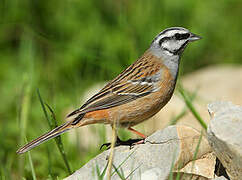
x=173, y=40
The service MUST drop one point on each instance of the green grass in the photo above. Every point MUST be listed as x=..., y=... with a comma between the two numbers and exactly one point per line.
x=100, y=175
x=64, y=47
x=53, y=124
x=116, y=170
x=175, y=171
x=193, y=110
x=184, y=111
x=31, y=166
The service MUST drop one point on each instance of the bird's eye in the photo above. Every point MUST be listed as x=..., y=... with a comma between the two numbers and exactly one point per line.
x=181, y=36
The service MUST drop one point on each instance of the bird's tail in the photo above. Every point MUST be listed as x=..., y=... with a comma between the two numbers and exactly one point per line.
x=45, y=137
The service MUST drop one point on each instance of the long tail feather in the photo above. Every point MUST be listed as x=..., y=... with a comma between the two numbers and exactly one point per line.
x=45, y=137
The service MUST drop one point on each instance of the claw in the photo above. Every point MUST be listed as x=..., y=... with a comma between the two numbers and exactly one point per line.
x=108, y=145
x=138, y=141
x=130, y=142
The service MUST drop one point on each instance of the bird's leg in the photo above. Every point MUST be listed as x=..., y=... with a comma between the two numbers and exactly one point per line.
x=140, y=141
x=137, y=132
x=130, y=142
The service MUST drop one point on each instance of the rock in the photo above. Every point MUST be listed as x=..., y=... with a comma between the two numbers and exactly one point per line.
x=153, y=173
x=225, y=136
x=175, y=146
x=200, y=168
x=220, y=178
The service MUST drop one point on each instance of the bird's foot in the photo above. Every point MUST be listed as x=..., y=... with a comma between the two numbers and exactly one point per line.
x=119, y=142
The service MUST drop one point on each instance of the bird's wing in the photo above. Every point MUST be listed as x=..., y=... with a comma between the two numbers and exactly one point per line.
x=138, y=80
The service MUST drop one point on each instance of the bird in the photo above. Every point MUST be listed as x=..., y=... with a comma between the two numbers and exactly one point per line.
x=137, y=93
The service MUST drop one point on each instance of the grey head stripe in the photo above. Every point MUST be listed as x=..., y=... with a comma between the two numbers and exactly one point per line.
x=166, y=30
x=172, y=28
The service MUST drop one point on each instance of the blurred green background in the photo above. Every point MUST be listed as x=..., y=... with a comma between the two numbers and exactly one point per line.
x=64, y=47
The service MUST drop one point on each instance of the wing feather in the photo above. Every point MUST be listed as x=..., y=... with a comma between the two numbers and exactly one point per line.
x=128, y=93
x=131, y=84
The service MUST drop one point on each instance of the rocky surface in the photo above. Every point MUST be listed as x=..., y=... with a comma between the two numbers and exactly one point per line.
x=224, y=132
x=225, y=136
x=175, y=146
x=220, y=178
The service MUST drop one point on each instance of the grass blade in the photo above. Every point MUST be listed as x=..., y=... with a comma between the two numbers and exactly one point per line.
x=53, y=123
x=98, y=172
x=111, y=156
x=124, y=161
x=23, y=117
x=44, y=110
x=175, y=119
x=49, y=164
x=191, y=107
x=172, y=166
x=2, y=174
x=132, y=171
x=100, y=175
x=121, y=176
x=31, y=165
x=197, y=149
x=196, y=152
x=104, y=171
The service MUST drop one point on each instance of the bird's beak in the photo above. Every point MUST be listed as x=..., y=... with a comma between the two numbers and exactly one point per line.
x=194, y=37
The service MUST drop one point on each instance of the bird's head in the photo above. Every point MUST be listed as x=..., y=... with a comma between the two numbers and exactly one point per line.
x=172, y=41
